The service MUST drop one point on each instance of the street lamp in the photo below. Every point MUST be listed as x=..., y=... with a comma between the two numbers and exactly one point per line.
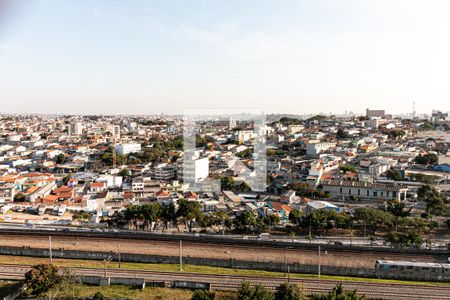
x=106, y=261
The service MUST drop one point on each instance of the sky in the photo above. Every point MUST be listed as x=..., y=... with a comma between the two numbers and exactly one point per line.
x=280, y=56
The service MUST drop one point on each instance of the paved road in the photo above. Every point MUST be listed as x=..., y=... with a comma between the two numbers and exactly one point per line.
x=231, y=282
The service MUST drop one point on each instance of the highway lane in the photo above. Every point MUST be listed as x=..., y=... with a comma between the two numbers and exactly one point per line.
x=232, y=282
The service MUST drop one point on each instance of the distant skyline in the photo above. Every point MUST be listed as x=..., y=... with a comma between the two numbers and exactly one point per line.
x=280, y=56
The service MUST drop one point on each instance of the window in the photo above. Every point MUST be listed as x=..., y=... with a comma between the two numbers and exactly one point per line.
x=359, y=192
x=375, y=193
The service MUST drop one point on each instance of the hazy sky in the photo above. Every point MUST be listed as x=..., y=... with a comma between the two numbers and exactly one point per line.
x=142, y=56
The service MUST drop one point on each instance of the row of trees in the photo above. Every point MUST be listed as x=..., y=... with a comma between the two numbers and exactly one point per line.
x=148, y=216
x=403, y=230
x=427, y=159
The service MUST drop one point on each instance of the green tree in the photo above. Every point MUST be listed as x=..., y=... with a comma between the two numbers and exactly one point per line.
x=200, y=141
x=373, y=218
x=427, y=125
x=42, y=278
x=288, y=291
x=436, y=202
x=245, y=221
x=188, y=211
x=398, y=210
x=60, y=159
x=66, y=179
x=226, y=183
x=320, y=220
x=340, y=134
x=338, y=293
x=258, y=292
x=81, y=216
x=107, y=159
x=303, y=189
x=19, y=197
x=124, y=172
x=408, y=239
x=203, y=295
x=427, y=159
x=295, y=216
x=394, y=174
x=133, y=214
x=347, y=168
x=169, y=214
x=150, y=212
x=98, y=296
x=243, y=187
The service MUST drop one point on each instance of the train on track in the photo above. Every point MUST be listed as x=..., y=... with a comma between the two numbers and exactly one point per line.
x=413, y=269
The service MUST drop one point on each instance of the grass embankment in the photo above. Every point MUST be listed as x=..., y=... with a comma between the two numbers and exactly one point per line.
x=76, y=291
x=5, y=259
x=7, y=287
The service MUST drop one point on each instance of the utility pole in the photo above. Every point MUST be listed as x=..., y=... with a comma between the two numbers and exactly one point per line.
x=181, y=256
x=50, y=248
x=351, y=234
x=118, y=252
x=285, y=263
x=106, y=261
x=318, y=268
x=310, y=229
x=114, y=152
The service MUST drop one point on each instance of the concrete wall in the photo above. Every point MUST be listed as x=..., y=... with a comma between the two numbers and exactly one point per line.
x=230, y=263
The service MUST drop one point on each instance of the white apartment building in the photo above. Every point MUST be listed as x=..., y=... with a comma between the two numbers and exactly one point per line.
x=194, y=170
x=144, y=185
x=242, y=136
x=164, y=172
x=124, y=149
x=115, y=130
x=295, y=128
x=75, y=129
x=314, y=149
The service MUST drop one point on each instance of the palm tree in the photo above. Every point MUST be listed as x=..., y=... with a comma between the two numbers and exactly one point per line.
x=398, y=210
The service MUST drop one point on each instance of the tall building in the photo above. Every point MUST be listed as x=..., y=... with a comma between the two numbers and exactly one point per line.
x=380, y=113
x=115, y=130
x=75, y=129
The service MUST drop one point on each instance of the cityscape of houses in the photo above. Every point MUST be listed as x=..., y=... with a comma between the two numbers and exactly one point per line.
x=52, y=167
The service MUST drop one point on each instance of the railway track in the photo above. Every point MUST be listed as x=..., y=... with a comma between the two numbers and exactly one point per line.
x=149, y=236
x=372, y=290
x=236, y=246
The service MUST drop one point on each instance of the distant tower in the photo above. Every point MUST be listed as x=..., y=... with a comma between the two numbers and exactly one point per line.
x=232, y=122
x=414, y=110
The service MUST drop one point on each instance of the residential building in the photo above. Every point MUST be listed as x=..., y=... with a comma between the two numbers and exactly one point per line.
x=75, y=129
x=314, y=149
x=124, y=149
x=366, y=190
